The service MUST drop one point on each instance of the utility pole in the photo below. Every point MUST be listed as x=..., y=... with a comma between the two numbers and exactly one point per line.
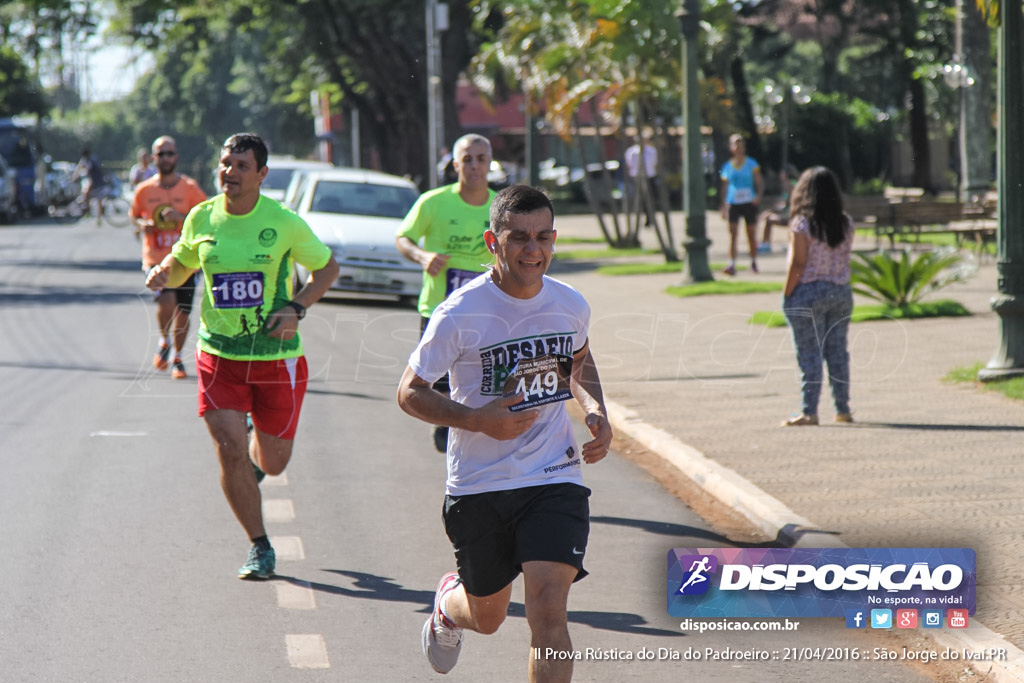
x=694, y=193
x=1008, y=360
x=437, y=21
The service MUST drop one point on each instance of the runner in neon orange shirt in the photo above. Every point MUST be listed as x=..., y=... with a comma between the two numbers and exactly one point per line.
x=158, y=210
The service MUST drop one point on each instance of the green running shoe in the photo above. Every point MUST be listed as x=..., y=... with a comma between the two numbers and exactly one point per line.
x=260, y=565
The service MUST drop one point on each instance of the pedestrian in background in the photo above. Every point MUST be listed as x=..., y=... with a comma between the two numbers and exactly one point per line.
x=742, y=190
x=818, y=300
x=444, y=234
x=637, y=173
x=142, y=170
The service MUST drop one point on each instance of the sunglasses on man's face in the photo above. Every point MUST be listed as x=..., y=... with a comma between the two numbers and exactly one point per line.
x=166, y=154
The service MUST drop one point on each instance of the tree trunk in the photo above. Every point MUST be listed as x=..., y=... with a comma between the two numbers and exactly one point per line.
x=919, y=145
x=746, y=109
x=976, y=119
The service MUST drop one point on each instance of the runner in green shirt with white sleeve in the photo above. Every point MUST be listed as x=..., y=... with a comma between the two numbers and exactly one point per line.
x=444, y=234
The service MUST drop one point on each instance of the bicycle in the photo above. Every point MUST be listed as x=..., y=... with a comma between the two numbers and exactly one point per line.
x=116, y=208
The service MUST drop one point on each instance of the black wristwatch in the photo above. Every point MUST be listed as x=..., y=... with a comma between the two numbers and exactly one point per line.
x=300, y=310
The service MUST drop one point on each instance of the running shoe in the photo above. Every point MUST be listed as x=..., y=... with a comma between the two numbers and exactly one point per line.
x=729, y=270
x=764, y=248
x=260, y=565
x=260, y=474
x=160, y=359
x=442, y=640
x=753, y=267
x=178, y=369
x=441, y=439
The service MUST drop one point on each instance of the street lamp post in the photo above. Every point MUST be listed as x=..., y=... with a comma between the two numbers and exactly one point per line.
x=1008, y=360
x=437, y=21
x=694, y=193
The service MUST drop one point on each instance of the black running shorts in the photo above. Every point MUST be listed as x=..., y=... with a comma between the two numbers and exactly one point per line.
x=747, y=212
x=494, y=533
x=182, y=295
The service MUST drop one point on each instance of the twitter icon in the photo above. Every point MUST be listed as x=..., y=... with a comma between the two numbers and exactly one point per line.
x=881, y=618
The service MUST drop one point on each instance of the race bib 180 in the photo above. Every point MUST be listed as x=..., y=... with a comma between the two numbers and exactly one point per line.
x=237, y=290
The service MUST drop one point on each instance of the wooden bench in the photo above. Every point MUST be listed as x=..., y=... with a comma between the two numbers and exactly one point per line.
x=980, y=231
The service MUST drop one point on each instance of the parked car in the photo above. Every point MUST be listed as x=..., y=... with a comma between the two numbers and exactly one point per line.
x=356, y=213
x=279, y=173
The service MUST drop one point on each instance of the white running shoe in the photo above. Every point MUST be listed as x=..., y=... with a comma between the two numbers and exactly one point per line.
x=442, y=643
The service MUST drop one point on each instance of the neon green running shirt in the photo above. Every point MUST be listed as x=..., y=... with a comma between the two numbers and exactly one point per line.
x=247, y=264
x=448, y=225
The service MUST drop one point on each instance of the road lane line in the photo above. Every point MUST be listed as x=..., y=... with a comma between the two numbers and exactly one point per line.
x=110, y=433
x=288, y=548
x=297, y=595
x=307, y=651
x=278, y=510
x=279, y=480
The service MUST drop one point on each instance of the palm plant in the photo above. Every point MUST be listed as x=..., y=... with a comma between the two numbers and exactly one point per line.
x=900, y=283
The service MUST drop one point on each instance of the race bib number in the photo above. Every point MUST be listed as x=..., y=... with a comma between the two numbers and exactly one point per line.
x=541, y=380
x=455, y=278
x=237, y=290
x=743, y=195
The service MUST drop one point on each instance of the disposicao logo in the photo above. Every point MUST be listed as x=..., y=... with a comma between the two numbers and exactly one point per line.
x=826, y=582
x=696, y=580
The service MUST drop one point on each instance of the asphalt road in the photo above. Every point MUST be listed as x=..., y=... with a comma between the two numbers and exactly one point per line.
x=119, y=552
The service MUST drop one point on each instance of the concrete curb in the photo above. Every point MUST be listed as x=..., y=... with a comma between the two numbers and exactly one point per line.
x=776, y=520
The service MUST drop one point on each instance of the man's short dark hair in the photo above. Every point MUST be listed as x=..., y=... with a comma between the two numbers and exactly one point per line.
x=517, y=199
x=239, y=143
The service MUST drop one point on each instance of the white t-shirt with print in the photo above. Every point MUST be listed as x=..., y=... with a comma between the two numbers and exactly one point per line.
x=491, y=344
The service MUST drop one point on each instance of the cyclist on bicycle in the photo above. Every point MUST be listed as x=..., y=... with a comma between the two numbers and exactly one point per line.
x=95, y=182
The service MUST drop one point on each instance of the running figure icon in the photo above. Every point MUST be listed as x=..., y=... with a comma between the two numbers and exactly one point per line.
x=697, y=569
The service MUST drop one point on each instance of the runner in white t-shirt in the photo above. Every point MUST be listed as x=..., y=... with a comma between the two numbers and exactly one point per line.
x=515, y=344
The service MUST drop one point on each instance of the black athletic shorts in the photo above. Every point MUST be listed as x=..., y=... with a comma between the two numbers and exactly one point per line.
x=494, y=533
x=747, y=212
x=183, y=295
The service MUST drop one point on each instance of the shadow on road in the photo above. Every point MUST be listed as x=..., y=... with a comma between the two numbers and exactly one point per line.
x=372, y=587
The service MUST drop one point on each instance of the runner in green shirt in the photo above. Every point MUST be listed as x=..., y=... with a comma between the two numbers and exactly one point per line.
x=250, y=359
x=444, y=234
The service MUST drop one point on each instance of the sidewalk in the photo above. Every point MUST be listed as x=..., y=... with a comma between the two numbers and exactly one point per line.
x=926, y=464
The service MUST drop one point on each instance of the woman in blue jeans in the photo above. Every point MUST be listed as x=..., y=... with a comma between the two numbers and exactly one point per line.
x=818, y=300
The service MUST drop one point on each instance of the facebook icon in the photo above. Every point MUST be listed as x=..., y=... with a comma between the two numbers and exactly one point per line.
x=855, y=618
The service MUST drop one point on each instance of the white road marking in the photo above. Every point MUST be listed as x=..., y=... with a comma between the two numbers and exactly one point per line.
x=108, y=433
x=288, y=548
x=278, y=510
x=296, y=595
x=307, y=651
x=279, y=480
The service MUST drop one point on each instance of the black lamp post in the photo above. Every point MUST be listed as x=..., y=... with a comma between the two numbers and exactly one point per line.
x=1008, y=360
x=694, y=193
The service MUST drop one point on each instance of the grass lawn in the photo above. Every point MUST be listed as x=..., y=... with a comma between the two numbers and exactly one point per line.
x=593, y=254
x=641, y=268
x=944, y=308
x=1011, y=388
x=580, y=240
x=723, y=287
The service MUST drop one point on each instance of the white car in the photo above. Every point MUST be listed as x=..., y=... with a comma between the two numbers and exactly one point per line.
x=279, y=173
x=356, y=213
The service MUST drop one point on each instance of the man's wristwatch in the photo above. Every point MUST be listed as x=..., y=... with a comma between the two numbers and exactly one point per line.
x=300, y=310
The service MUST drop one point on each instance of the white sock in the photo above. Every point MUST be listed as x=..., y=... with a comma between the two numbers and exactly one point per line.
x=443, y=607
